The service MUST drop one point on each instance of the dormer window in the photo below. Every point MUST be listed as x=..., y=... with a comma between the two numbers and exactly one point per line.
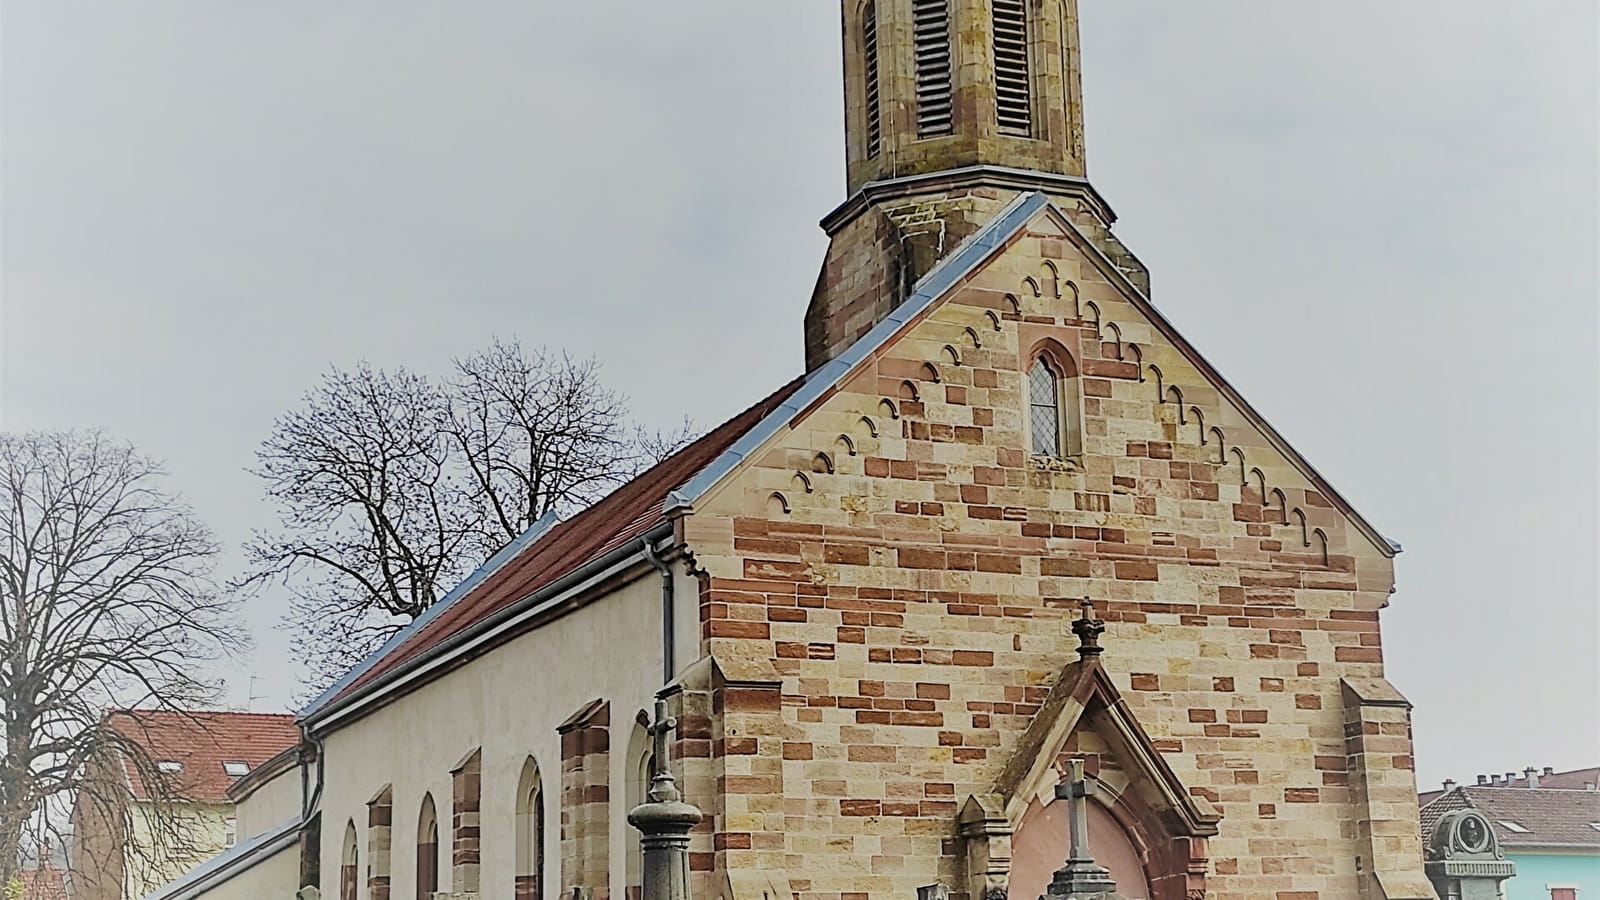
x=1053, y=417
x=236, y=769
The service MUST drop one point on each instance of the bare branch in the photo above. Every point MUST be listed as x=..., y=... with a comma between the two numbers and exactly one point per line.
x=106, y=600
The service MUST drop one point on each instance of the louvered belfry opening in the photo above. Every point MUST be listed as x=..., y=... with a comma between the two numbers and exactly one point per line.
x=931, y=46
x=869, y=40
x=1011, y=81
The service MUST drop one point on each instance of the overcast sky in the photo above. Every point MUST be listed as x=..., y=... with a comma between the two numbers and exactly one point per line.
x=1377, y=218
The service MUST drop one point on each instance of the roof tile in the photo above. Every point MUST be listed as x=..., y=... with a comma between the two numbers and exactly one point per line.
x=202, y=743
x=625, y=515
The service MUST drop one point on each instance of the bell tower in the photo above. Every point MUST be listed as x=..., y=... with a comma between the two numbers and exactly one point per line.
x=936, y=85
x=952, y=108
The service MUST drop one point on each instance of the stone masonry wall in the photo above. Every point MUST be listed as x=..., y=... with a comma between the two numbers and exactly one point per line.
x=910, y=572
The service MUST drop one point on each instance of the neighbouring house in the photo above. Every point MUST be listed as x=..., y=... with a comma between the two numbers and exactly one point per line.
x=42, y=882
x=1548, y=823
x=132, y=834
x=863, y=600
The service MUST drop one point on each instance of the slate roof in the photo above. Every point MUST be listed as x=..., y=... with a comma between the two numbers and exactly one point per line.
x=202, y=742
x=627, y=514
x=43, y=883
x=1551, y=816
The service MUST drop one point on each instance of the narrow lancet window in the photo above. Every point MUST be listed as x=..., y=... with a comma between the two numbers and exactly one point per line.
x=930, y=24
x=1044, y=409
x=1012, y=81
x=869, y=40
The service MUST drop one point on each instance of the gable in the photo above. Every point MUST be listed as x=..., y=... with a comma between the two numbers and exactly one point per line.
x=1032, y=276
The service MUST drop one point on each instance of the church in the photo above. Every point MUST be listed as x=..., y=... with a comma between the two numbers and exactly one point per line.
x=1008, y=570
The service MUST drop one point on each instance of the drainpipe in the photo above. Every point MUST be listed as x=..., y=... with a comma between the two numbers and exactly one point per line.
x=669, y=664
x=310, y=798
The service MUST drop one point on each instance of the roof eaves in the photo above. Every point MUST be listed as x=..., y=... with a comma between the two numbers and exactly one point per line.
x=450, y=650
x=967, y=256
x=478, y=576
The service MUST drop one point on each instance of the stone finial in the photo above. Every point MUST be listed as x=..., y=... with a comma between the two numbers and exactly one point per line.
x=1088, y=629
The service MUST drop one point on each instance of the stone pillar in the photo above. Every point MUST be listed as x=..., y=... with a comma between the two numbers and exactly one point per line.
x=987, y=833
x=1383, y=788
x=664, y=821
x=466, y=799
x=586, y=802
x=380, y=820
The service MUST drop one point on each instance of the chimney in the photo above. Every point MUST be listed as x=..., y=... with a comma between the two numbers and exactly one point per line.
x=1532, y=776
x=1483, y=780
x=1510, y=777
x=1449, y=785
x=1548, y=771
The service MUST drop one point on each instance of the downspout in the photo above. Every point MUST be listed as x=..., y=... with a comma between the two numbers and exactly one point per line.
x=310, y=799
x=669, y=666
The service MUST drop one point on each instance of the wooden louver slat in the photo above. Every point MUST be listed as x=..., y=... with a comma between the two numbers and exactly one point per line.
x=930, y=24
x=1011, y=78
x=869, y=33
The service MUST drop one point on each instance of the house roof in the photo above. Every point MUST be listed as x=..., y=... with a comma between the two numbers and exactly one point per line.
x=624, y=516
x=203, y=744
x=43, y=883
x=650, y=500
x=1577, y=779
x=1547, y=817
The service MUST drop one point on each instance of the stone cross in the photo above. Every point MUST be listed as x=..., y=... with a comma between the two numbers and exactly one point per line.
x=1076, y=790
x=664, y=820
x=1079, y=878
x=662, y=786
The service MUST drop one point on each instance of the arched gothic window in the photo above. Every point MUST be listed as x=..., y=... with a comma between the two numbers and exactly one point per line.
x=530, y=833
x=349, y=864
x=1053, y=416
x=427, y=850
x=641, y=762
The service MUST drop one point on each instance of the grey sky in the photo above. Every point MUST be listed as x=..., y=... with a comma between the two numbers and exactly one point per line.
x=1378, y=218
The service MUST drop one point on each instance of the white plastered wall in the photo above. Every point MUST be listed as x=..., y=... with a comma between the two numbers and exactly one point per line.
x=270, y=805
x=508, y=702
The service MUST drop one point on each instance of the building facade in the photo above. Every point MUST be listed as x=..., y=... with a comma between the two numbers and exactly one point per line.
x=1547, y=823
x=138, y=825
x=1008, y=523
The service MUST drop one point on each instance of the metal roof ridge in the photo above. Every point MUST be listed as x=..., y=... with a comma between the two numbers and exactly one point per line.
x=961, y=261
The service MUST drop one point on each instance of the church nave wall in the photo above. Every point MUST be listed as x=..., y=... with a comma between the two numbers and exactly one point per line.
x=497, y=712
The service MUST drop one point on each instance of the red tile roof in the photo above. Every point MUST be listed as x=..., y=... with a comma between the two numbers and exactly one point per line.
x=625, y=515
x=202, y=742
x=1547, y=816
x=44, y=883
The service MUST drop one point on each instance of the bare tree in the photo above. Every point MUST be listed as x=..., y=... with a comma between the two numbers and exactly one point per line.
x=373, y=514
x=391, y=488
x=538, y=433
x=106, y=600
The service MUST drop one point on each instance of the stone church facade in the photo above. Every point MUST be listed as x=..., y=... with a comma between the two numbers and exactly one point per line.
x=859, y=597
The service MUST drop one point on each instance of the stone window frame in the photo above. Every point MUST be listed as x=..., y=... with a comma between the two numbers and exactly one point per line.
x=1069, y=399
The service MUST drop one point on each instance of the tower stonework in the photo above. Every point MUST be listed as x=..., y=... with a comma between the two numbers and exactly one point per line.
x=952, y=108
